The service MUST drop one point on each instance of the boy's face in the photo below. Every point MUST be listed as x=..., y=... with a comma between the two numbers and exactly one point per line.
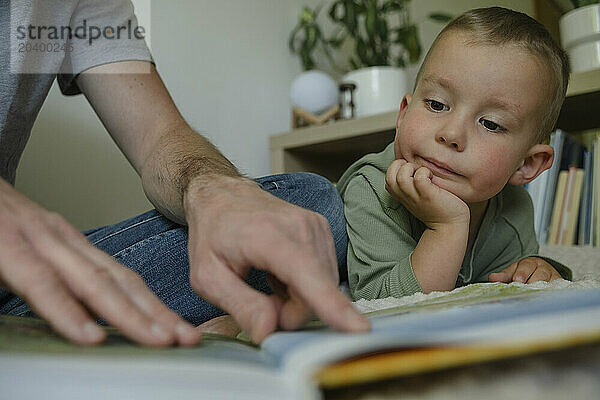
x=473, y=116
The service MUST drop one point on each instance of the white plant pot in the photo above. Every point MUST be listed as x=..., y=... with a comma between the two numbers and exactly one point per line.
x=378, y=89
x=580, y=37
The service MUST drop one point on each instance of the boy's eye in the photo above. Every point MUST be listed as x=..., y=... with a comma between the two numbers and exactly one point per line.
x=436, y=106
x=491, y=126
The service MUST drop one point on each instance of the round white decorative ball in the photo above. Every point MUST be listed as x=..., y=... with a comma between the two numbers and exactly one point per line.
x=314, y=91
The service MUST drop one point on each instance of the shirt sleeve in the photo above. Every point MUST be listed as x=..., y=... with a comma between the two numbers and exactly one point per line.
x=379, y=248
x=115, y=23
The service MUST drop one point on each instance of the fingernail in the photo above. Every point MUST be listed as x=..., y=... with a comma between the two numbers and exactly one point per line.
x=519, y=279
x=92, y=331
x=186, y=330
x=160, y=332
x=359, y=322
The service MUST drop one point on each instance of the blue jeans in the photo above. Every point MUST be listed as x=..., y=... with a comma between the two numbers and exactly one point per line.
x=156, y=248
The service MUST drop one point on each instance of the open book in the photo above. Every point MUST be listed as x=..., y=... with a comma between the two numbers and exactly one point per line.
x=482, y=322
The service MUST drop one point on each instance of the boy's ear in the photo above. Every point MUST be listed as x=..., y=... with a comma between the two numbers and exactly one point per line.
x=403, y=106
x=539, y=158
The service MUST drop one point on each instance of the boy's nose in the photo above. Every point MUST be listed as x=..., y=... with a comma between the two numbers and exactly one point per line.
x=452, y=141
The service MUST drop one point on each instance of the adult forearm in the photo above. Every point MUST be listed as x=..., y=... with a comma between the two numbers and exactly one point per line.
x=177, y=158
x=438, y=256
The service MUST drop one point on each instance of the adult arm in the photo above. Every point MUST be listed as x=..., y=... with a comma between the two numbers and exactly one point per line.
x=233, y=224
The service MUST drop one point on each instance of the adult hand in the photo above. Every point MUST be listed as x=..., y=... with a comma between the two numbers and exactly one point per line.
x=527, y=270
x=235, y=225
x=433, y=205
x=67, y=281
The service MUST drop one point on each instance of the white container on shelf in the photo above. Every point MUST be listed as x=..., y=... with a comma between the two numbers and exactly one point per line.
x=314, y=91
x=580, y=37
x=378, y=89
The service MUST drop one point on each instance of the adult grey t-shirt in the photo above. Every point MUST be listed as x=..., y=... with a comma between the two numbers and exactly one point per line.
x=41, y=40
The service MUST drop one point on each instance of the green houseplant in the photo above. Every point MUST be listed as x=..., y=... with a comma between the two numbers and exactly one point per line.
x=382, y=39
x=306, y=38
x=382, y=31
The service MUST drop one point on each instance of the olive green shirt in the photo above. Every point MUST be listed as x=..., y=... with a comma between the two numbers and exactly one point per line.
x=383, y=234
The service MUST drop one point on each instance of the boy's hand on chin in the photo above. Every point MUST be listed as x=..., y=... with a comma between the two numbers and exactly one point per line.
x=527, y=270
x=433, y=205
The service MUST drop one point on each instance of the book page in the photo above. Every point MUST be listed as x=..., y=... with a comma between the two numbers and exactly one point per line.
x=36, y=363
x=482, y=314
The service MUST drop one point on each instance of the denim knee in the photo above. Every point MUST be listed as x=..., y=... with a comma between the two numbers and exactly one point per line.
x=318, y=194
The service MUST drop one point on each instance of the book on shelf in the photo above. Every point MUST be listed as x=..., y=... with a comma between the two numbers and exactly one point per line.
x=542, y=189
x=565, y=197
x=481, y=322
x=595, y=204
x=585, y=211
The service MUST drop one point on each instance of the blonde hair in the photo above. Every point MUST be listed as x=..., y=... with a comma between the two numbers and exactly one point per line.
x=501, y=26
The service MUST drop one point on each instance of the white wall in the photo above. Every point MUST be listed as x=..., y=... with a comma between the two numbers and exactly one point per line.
x=226, y=64
x=229, y=70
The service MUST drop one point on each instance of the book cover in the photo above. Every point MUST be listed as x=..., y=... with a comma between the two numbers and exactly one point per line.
x=480, y=322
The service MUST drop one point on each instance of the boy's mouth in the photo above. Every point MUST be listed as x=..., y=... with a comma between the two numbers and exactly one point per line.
x=438, y=167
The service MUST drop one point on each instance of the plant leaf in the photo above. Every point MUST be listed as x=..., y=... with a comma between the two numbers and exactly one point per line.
x=441, y=17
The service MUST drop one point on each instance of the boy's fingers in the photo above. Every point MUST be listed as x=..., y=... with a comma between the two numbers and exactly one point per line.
x=423, y=185
x=392, y=173
x=555, y=275
x=506, y=275
x=540, y=274
x=524, y=270
x=405, y=180
x=500, y=277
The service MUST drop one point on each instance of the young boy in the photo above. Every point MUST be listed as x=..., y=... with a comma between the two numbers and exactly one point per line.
x=444, y=205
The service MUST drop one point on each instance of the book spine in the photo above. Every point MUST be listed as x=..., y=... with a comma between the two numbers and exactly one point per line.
x=557, y=140
x=559, y=199
x=567, y=206
x=596, y=192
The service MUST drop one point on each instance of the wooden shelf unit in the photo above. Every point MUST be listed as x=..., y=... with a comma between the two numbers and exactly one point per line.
x=329, y=149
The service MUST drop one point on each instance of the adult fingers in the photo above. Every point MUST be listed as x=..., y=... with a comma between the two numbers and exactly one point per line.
x=134, y=286
x=294, y=312
x=137, y=291
x=302, y=271
x=255, y=312
x=92, y=282
x=223, y=325
x=48, y=297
